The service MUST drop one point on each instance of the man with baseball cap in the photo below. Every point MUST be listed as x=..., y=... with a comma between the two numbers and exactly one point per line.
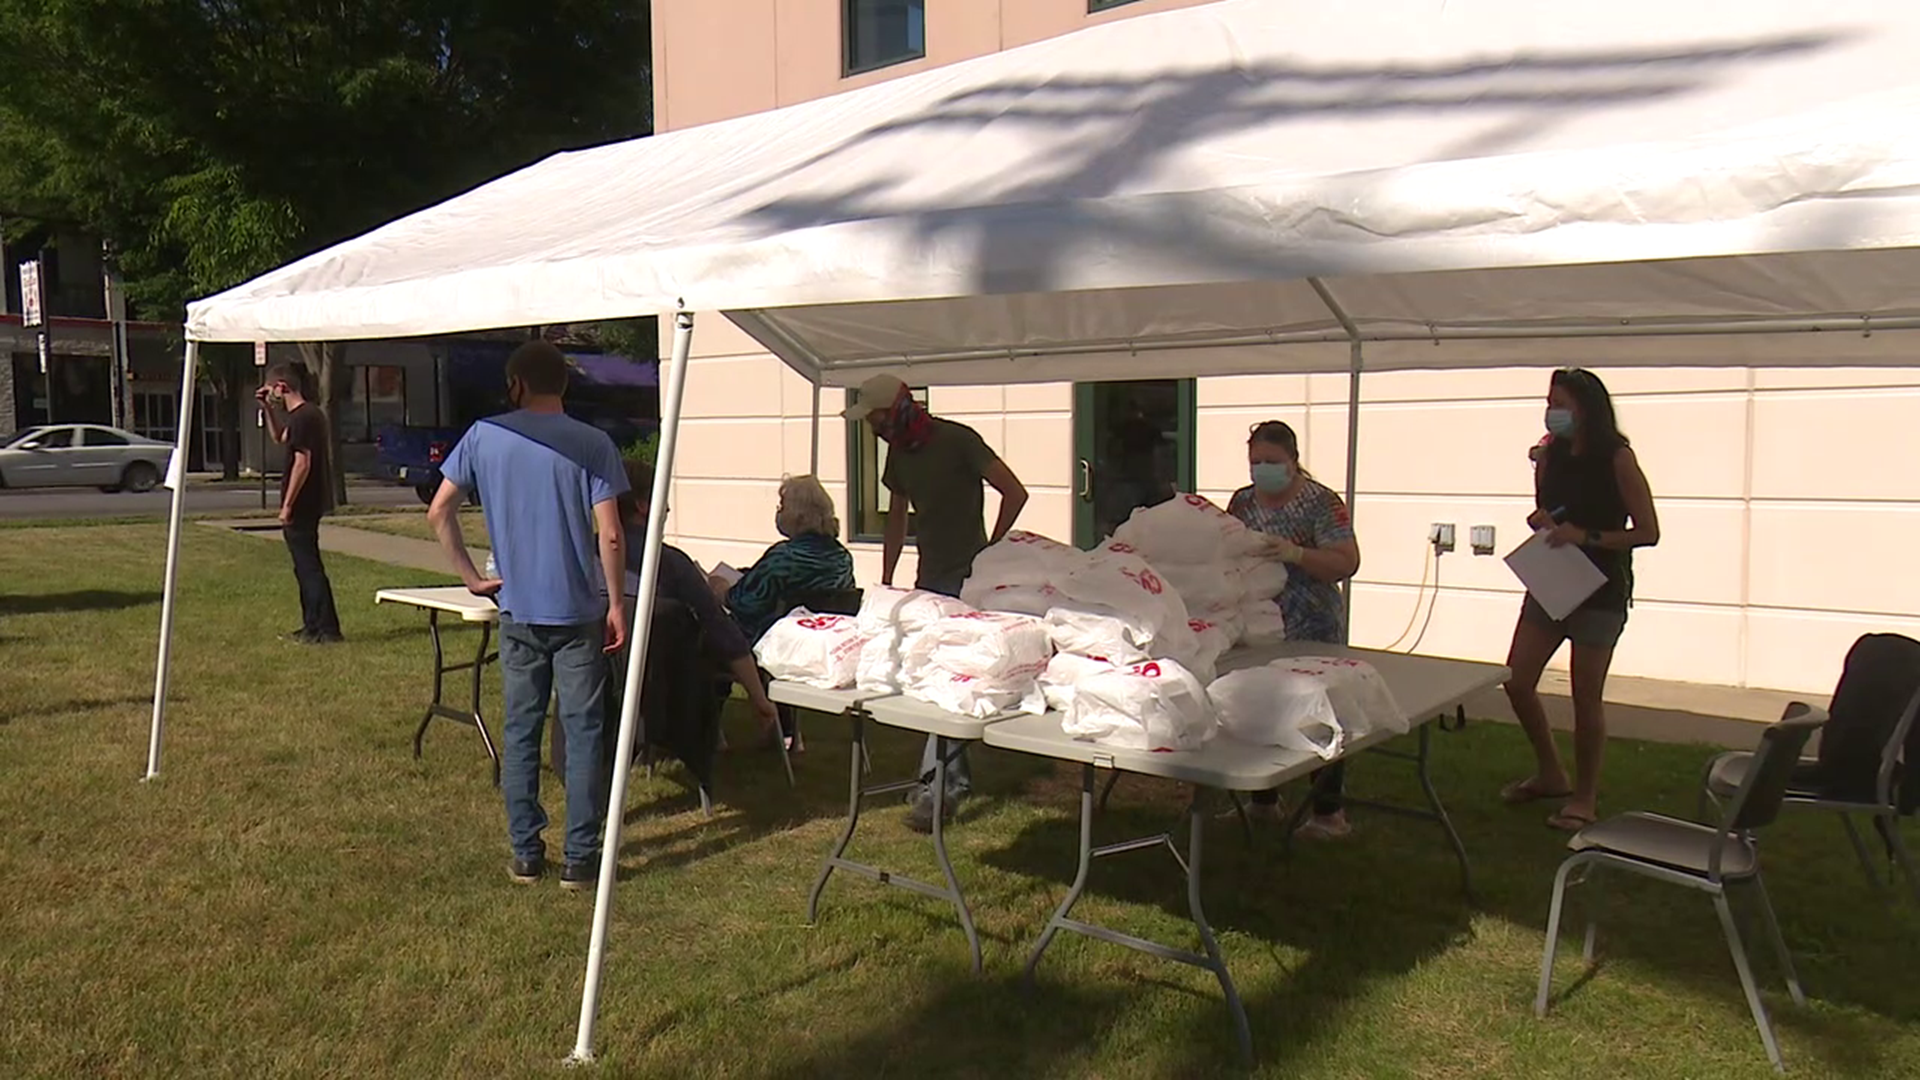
x=935, y=469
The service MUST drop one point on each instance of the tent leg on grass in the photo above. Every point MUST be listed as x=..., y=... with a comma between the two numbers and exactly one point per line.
x=177, y=480
x=636, y=668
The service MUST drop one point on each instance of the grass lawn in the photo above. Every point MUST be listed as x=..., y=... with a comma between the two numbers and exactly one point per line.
x=473, y=526
x=297, y=896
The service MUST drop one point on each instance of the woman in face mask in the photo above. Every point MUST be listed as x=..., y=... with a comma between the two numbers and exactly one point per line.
x=1312, y=533
x=1589, y=492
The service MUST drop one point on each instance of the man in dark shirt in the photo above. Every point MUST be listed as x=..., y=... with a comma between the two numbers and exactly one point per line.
x=306, y=495
x=935, y=469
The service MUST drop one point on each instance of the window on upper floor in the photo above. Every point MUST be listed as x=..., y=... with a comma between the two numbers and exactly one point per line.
x=877, y=33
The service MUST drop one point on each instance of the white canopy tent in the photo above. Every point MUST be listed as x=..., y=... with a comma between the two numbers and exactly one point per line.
x=1245, y=186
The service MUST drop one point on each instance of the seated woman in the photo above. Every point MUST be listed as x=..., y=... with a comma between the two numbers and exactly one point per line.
x=810, y=560
x=680, y=581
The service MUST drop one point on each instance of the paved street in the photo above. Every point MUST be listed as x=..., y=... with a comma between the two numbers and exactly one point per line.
x=67, y=503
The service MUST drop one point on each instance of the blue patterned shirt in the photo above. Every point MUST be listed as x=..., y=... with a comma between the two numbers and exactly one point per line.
x=1314, y=518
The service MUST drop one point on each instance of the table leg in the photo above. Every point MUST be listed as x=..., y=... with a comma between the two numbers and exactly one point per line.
x=439, y=680
x=944, y=752
x=941, y=759
x=439, y=709
x=1211, y=960
x=1196, y=820
x=1440, y=810
x=479, y=719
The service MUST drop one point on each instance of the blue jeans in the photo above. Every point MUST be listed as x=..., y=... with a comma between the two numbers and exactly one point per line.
x=534, y=662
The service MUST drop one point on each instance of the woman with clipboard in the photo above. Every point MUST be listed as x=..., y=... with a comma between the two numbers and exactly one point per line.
x=1589, y=491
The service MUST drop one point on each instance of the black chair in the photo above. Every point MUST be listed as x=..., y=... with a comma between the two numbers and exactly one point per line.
x=1715, y=859
x=1868, y=753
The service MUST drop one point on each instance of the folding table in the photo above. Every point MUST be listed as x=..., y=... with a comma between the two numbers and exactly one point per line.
x=473, y=611
x=1425, y=688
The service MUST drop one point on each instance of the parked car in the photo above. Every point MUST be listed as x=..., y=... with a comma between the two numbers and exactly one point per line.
x=83, y=455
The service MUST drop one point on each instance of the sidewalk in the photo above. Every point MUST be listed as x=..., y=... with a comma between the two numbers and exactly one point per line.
x=1645, y=709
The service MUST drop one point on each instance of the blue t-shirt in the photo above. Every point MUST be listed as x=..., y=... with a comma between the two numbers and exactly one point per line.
x=540, y=475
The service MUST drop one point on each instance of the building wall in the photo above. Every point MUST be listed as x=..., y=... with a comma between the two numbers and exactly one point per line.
x=1784, y=501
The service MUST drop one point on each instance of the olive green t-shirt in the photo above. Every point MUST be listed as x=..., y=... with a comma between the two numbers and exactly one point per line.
x=942, y=481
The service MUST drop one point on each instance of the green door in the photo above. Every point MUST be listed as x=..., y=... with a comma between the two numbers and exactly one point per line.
x=1132, y=447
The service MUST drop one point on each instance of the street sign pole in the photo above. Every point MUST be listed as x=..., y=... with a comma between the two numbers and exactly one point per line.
x=33, y=316
x=260, y=419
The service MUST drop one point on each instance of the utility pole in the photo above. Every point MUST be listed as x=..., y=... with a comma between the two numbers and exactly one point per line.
x=121, y=362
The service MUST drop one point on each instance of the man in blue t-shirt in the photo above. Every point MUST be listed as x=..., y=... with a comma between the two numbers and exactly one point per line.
x=548, y=485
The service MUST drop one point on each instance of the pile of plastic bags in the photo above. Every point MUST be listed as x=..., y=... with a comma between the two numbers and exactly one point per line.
x=1218, y=565
x=1314, y=704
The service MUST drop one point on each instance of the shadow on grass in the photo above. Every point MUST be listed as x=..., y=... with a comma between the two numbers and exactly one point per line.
x=77, y=601
x=64, y=709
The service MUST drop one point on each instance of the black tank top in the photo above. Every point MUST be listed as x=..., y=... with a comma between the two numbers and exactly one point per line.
x=1583, y=489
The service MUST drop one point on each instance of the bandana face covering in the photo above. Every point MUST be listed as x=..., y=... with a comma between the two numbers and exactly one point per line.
x=908, y=426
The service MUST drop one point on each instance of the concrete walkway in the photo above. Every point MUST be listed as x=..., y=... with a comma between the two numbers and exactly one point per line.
x=1644, y=709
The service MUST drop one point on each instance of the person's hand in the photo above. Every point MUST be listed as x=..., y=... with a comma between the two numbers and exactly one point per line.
x=1284, y=549
x=1566, y=533
x=286, y=515
x=769, y=714
x=719, y=586
x=487, y=587
x=616, y=627
x=1539, y=519
x=260, y=396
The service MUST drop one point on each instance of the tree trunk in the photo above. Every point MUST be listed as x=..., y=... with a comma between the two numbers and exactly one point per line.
x=237, y=369
x=327, y=364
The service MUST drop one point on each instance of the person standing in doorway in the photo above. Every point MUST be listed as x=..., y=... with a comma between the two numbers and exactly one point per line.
x=306, y=495
x=935, y=471
x=1309, y=529
x=1589, y=492
x=548, y=484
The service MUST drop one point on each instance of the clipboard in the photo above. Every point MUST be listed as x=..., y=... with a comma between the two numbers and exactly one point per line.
x=1559, y=579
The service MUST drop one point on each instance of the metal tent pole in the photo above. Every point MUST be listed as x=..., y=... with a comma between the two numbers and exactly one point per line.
x=813, y=465
x=636, y=667
x=1358, y=361
x=177, y=480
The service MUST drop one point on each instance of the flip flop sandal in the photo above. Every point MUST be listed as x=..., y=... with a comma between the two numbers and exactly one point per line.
x=1521, y=792
x=1569, y=822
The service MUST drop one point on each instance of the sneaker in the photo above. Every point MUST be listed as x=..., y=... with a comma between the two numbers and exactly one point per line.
x=920, y=810
x=325, y=637
x=1334, y=826
x=298, y=637
x=576, y=876
x=527, y=871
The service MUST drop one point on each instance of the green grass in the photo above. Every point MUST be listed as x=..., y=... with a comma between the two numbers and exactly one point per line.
x=473, y=526
x=297, y=896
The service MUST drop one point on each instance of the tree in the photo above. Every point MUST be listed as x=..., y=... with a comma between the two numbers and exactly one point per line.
x=215, y=139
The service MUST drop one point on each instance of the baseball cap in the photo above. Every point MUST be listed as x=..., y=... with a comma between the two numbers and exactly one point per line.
x=879, y=392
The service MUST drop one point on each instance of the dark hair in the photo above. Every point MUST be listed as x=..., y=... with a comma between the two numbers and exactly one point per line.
x=291, y=372
x=540, y=366
x=639, y=488
x=1278, y=433
x=1597, y=420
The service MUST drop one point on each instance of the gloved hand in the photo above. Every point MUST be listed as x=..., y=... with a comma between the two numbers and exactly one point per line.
x=1284, y=549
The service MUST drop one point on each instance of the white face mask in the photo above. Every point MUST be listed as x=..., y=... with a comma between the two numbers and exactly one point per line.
x=1560, y=422
x=1271, y=476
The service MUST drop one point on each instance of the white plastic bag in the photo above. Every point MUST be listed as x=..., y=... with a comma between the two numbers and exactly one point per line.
x=1360, y=697
x=980, y=663
x=1119, y=582
x=1187, y=529
x=1035, y=600
x=1211, y=640
x=883, y=659
x=1020, y=558
x=1269, y=706
x=1205, y=585
x=1157, y=705
x=1262, y=623
x=1262, y=579
x=818, y=650
x=908, y=610
x=1063, y=671
x=1098, y=635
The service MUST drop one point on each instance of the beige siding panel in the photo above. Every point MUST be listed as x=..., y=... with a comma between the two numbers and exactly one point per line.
x=1855, y=444
x=1856, y=558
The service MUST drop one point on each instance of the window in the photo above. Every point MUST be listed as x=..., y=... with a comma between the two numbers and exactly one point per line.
x=868, y=499
x=1102, y=5
x=376, y=397
x=59, y=438
x=877, y=33
x=99, y=436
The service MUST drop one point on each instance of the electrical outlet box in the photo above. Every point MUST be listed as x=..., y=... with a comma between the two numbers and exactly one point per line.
x=1440, y=535
x=1482, y=537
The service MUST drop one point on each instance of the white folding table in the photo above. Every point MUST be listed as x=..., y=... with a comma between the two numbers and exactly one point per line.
x=1427, y=688
x=473, y=611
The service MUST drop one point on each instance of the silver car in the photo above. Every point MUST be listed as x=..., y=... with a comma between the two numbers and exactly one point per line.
x=83, y=455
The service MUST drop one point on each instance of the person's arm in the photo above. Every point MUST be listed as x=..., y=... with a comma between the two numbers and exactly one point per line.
x=297, y=476
x=613, y=563
x=444, y=515
x=758, y=590
x=1334, y=552
x=1013, y=497
x=1335, y=562
x=895, y=540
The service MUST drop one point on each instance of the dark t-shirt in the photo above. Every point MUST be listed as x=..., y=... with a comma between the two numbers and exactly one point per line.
x=307, y=430
x=943, y=482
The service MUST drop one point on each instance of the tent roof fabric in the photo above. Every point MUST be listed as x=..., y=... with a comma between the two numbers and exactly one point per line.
x=1464, y=181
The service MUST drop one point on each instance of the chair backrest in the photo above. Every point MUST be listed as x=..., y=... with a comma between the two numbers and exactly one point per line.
x=1757, y=802
x=1878, y=690
x=823, y=601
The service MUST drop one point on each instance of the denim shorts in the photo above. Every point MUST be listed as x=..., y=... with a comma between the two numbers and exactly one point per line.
x=1596, y=628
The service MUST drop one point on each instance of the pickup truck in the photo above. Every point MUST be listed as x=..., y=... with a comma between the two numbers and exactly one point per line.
x=412, y=455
